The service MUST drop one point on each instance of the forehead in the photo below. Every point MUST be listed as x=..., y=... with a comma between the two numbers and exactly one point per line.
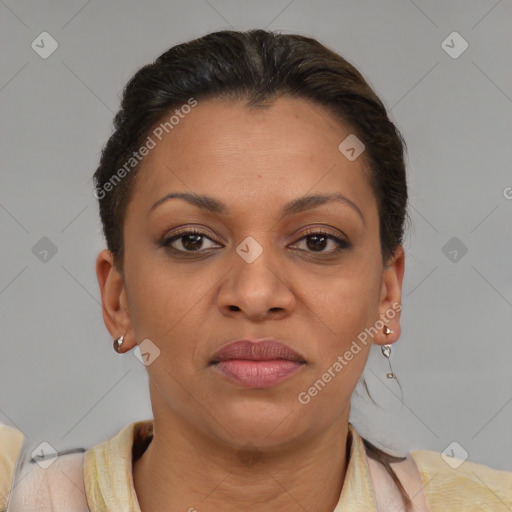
x=272, y=154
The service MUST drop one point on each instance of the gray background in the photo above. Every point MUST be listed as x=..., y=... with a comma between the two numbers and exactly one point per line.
x=60, y=380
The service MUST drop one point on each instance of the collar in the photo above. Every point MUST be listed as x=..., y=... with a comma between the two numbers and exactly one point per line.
x=108, y=476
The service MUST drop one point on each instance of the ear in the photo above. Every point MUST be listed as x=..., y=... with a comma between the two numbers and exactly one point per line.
x=116, y=313
x=391, y=297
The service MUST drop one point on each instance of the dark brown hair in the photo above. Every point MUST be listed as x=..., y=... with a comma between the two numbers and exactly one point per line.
x=256, y=66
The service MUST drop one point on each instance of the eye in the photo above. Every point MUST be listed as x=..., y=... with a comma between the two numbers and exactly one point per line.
x=191, y=240
x=316, y=242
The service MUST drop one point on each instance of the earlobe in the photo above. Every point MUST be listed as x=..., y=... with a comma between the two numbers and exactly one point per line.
x=115, y=315
x=390, y=305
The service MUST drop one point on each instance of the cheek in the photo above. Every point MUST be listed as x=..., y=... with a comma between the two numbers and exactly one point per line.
x=342, y=349
x=168, y=306
x=155, y=304
x=345, y=306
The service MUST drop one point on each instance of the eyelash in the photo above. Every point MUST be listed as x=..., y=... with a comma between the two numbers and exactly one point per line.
x=343, y=244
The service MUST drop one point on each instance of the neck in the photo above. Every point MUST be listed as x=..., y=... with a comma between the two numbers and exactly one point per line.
x=185, y=470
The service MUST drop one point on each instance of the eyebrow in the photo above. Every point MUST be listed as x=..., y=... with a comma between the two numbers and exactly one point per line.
x=298, y=205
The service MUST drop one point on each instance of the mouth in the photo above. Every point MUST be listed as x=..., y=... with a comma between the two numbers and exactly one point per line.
x=257, y=363
x=257, y=350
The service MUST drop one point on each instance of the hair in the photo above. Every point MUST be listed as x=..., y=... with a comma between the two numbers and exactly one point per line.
x=257, y=67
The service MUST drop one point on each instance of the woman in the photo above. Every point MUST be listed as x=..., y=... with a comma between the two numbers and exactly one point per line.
x=253, y=199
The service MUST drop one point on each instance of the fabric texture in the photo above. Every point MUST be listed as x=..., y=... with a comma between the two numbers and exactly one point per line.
x=58, y=488
x=101, y=480
x=470, y=487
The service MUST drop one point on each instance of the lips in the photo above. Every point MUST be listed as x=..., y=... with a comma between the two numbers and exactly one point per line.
x=257, y=364
x=256, y=350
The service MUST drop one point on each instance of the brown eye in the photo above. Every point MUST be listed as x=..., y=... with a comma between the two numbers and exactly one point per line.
x=187, y=241
x=317, y=242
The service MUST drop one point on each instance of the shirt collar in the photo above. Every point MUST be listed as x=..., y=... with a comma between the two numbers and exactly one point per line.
x=108, y=476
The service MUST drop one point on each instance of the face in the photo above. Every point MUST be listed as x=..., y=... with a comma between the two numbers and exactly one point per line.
x=310, y=277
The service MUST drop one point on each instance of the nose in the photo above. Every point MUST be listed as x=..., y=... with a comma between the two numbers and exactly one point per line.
x=257, y=289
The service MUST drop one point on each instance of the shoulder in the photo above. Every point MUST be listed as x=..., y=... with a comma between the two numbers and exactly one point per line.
x=57, y=487
x=452, y=484
x=72, y=481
